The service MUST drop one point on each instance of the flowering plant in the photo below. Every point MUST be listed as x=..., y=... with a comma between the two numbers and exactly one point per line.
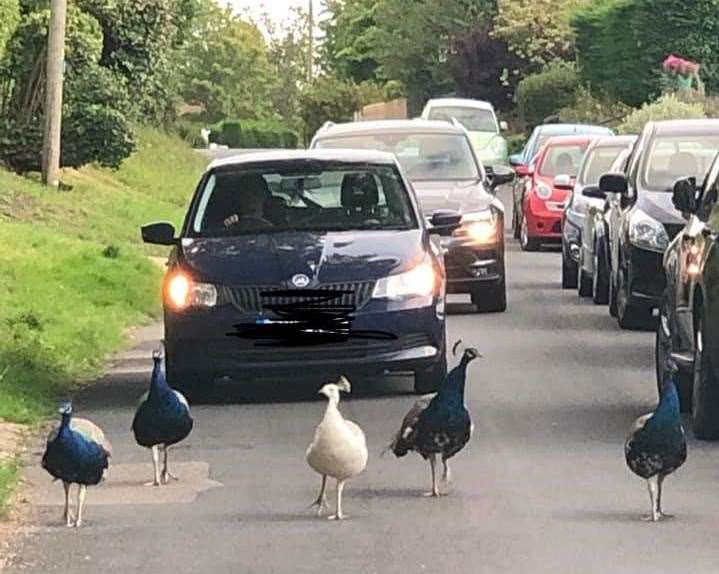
x=675, y=64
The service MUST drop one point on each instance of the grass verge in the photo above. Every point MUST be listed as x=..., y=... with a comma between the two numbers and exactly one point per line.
x=8, y=480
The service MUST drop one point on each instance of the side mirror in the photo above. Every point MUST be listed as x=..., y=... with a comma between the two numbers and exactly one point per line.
x=499, y=175
x=159, y=234
x=614, y=183
x=684, y=196
x=516, y=160
x=563, y=182
x=523, y=170
x=445, y=221
x=503, y=126
x=594, y=192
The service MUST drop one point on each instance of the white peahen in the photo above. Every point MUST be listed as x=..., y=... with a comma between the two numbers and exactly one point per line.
x=339, y=447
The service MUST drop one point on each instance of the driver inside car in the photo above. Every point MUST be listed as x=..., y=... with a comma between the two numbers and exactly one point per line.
x=254, y=193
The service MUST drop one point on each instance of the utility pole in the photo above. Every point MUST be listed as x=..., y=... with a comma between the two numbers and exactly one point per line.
x=311, y=43
x=53, y=93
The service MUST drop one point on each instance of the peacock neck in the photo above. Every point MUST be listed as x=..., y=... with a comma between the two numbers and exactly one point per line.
x=158, y=384
x=454, y=387
x=668, y=410
x=332, y=412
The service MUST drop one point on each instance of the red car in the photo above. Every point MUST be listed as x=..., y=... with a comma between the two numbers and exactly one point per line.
x=548, y=186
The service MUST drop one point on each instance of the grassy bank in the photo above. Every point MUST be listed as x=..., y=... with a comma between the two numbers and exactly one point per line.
x=73, y=272
x=8, y=479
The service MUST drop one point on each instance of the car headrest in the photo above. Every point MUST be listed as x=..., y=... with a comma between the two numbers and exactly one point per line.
x=359, y=191
x=565, y=164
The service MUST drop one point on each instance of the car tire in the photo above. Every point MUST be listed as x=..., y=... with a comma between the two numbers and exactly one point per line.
x=569, y=272
x=705, y=403
x=600, y=279
x=584, y=283
x=490, y=299
x=630, y=317
x=430, y=380
x=612, y=296
x=662, y=348
x=527, y=243
x=515, y=224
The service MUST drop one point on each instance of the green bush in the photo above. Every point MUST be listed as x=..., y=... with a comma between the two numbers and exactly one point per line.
x=515, y=143
x=252, y=134
x=668, y=107
x=543, y=94
x=588, y=109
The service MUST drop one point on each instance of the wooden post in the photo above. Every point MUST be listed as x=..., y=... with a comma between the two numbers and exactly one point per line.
x=53, y=93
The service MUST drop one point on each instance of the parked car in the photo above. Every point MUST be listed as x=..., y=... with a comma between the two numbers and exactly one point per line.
x=551, y=179
x=268, y=234
x=480, y=121
x=594, y=257
x=645, y=221
x=522, y=161
x=601, y=155
x=688, y=328
x=448, y=179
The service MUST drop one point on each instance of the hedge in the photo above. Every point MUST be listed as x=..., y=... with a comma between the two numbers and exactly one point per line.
x=544, y=94
x=252, y=134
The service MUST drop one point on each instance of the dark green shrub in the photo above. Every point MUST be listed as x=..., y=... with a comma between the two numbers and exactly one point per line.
x=252, y=134
x=545, y=93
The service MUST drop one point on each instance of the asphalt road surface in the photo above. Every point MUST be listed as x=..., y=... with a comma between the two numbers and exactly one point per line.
x=541, y=488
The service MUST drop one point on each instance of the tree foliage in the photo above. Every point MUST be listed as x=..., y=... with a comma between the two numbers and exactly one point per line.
x=328, y=98
x=544, y=94
x=9, y=17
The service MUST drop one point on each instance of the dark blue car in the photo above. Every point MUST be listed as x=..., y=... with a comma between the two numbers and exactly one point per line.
x=304, y=263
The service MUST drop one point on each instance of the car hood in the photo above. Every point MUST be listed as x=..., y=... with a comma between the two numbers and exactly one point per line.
x=658, y=205
x=273, y=259
x=481, y=140
x=459, y=196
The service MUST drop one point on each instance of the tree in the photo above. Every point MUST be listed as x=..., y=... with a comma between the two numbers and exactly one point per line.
x=9, y=17
x=328, y=98
x=224, y=65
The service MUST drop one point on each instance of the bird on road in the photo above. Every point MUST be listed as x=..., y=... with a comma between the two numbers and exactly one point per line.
x=162, y=419
x=656, y=445
x=439, y=423
x=338, y=449
x=77, y=452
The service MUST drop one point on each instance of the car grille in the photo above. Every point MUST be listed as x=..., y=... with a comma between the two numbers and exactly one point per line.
x=255, y=299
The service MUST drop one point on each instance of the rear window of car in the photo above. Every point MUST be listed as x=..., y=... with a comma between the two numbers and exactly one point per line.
x=562, y=160
x=669, y=158
x=423, y=156
x=598, y=162
x=473, y=119
x=302, y=196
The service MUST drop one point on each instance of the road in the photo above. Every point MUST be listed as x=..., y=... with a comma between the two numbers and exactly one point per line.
x=542, y=488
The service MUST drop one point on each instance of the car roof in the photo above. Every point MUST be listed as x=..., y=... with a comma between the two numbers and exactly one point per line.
x=328, y=155
x=566, y=129
x=569, y=140
x=461, y=102
x=408, y=126
x=679, y=127
x=614, y=141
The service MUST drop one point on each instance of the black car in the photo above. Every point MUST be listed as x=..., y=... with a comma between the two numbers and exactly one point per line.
x=448, y=180
x=688, y=328
x=645, y=220
x=585, y=202
x=312, y=263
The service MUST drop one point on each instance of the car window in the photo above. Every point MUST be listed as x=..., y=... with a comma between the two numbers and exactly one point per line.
x=300, y=196
x=598, y=162
x=473, y=119
x=423, y=156
x=669, y=158
x=562, y=160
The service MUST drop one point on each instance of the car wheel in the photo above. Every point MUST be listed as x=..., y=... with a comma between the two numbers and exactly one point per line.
x=515, y=223
x=629, y=317
x=584, y=283
x=600, y=279
x=430, y=380
x=490, y=299
x=662, y=349
x=526, y=242
x=569, y=272
x=705, y=418
x=612, y=295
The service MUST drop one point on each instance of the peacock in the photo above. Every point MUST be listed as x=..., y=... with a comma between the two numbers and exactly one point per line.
x=339, y=448
x=438, y=423
x=77, y=452
x=162, y=419
x=656, y=445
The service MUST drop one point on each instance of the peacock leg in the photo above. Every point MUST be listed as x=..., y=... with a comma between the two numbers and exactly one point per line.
x=338, y=514
x=653, y=484
x=166, y=475
x=156, y=466
x=321, y=501
x=659, y=499
x=82, y=491
x=69, y=518
x=433, y=467
x=446, y=475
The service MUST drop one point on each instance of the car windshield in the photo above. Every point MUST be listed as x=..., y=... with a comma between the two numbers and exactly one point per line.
x=599, y=161
x=473, y=119
x=302, y=196
x=672, y=157
x=423, y=156
x=562, y=160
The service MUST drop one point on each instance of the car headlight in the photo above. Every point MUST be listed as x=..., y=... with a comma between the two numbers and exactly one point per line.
x=418, y=282
x=479, y=227
x=647, y=233
x=181, y=292
x=543, y=190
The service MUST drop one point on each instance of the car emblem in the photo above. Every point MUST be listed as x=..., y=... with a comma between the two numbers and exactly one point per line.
x=300, y=281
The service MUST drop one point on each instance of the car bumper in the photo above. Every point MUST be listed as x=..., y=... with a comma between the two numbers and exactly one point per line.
x=469, y=266
x=200, y=343
x=647, y=280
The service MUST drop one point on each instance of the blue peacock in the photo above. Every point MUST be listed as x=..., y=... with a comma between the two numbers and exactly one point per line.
x=656, y=445
x=162, y=419
x=77, y=452
x=439, y=424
